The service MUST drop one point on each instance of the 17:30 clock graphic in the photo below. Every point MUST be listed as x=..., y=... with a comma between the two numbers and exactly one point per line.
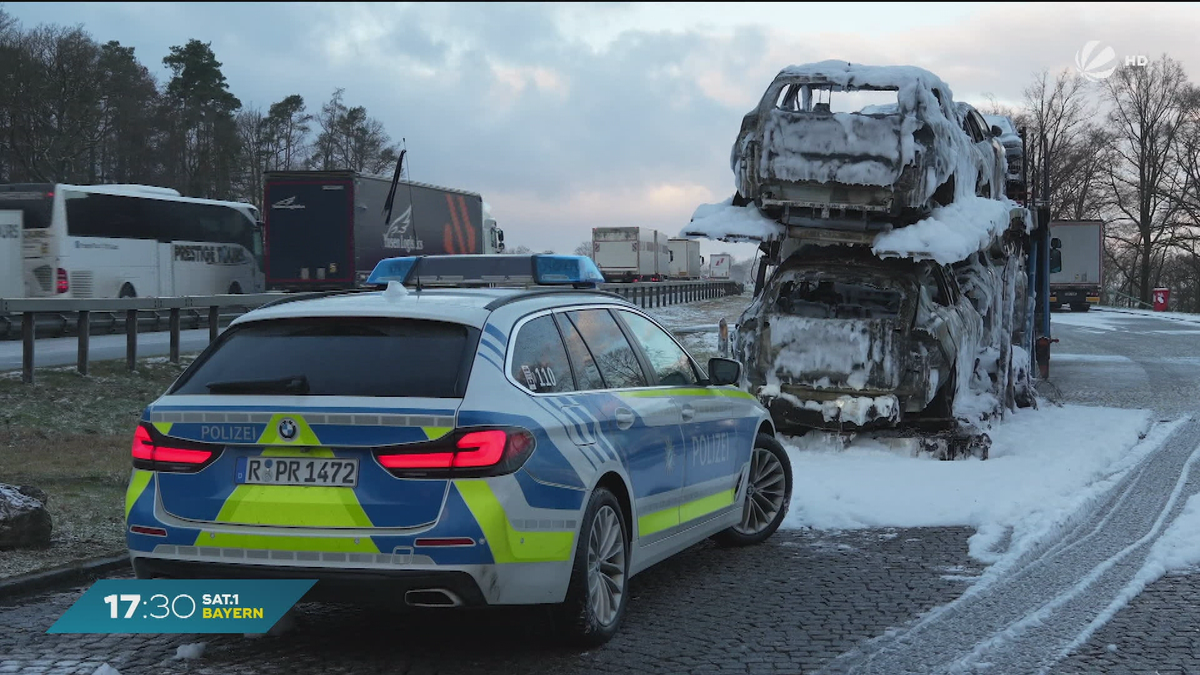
x=182, y=606
x=159, y=602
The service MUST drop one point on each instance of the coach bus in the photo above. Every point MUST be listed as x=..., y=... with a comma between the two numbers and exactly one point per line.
x=110, y=241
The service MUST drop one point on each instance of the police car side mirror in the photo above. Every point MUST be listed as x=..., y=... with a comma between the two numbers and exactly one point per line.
x=723, y=371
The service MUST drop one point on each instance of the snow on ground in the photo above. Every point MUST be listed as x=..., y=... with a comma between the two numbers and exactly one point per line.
x=951, y=233
x=1098, y=321
x=726, y=222
x=1090, y=358
x=696, y=322
x=193, y=650
x=1174, y=316
x=1043, y=465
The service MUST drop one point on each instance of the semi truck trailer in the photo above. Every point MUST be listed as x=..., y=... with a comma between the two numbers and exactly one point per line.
x=328, y=229
x=1076, y=263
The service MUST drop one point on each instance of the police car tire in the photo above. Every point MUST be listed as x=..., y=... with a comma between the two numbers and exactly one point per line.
x=574, y=619
x=732, y=537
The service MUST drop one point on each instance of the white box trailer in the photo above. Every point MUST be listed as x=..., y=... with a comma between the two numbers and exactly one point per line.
x=631, y=253
x=12, y=268
x=686, y=261
x=1077, y=251
x=721, y=263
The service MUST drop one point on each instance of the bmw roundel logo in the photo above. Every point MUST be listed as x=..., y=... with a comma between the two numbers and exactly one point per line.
x=288, y=429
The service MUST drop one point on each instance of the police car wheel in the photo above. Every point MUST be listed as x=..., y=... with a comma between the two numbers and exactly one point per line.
x=598, y=590
x=768, y=495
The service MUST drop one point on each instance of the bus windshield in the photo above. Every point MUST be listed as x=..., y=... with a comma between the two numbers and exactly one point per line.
x=34, y=200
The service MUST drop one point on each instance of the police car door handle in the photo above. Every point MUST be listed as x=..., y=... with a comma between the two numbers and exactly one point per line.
x=687, y=412
x=625, y=418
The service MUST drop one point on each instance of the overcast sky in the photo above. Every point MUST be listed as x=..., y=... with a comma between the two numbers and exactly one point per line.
x=567, y=117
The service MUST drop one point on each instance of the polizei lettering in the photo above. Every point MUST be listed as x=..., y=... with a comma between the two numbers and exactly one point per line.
x=710, y=449
x=211, y=255
x=228, y=432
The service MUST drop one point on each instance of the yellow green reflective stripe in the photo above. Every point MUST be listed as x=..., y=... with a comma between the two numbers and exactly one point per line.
x=164, y=428
x=436, y=432
x=509, y=545
x=677, y=515
x=304, y=433
x=272, y=543
x=658, y=521
x=294, y=505
x=726, y=392
x=137, y=485
x=706, y=505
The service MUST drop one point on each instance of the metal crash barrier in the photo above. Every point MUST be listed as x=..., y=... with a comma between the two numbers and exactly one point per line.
x=78, y=313
x=29, y=308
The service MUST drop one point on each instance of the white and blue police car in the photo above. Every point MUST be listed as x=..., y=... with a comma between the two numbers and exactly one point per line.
x=486, y=430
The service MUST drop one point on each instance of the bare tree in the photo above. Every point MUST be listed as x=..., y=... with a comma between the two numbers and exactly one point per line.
x=1057, y=111
x=1148, y=109
x=350, y=139
x=254, y=136
x=288, y=126
x=584, y=248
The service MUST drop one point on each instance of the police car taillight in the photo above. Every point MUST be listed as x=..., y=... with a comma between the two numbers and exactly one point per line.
x=490, y=452
x=157, y=456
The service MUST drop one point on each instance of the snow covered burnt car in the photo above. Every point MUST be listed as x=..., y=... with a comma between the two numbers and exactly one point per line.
x=1014, y=152
x=803, y=164
x=842, y=340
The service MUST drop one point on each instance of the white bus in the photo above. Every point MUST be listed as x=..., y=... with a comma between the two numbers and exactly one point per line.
x=109, y=241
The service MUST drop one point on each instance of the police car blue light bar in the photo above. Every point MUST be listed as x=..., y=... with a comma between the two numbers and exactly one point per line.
x=487, y=270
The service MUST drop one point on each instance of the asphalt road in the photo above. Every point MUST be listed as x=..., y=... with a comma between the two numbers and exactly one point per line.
x=866, y=601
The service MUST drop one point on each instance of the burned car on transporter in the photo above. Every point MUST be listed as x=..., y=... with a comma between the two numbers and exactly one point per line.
x=803, y=164
x=840, y=339
x=1006, y=132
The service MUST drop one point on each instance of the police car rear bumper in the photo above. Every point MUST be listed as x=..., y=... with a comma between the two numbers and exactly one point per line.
x=365, y=586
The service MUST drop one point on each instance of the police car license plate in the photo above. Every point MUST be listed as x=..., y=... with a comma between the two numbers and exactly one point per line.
x=325, y=472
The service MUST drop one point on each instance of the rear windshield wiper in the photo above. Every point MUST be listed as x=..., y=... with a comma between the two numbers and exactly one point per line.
x=293, y=384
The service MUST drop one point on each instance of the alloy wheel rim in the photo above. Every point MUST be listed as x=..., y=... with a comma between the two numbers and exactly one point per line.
x=764, y=493
x=606, y=566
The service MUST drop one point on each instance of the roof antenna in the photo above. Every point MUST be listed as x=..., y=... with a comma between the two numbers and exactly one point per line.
x=412, y=206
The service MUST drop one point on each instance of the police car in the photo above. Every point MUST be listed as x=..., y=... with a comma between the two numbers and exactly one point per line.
x=486, y=430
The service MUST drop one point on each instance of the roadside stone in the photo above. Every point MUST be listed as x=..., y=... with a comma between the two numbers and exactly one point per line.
x=37, y=493
x=24, y=520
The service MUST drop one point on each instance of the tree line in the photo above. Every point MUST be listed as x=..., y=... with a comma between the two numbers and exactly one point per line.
x=1126, y=150
x=73, y=110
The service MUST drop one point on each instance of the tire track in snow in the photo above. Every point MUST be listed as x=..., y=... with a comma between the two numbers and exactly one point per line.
x=1024, y=616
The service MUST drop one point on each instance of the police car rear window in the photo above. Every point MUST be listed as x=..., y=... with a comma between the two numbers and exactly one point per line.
x=337, y=357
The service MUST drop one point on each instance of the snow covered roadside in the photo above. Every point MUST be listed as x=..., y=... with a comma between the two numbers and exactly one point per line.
x=1044, y=464
x=1173, y=316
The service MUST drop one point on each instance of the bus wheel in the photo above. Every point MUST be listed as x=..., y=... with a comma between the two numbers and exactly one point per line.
x=127, y=291
x=235, y=288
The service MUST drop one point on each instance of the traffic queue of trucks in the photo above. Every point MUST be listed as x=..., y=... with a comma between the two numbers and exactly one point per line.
x=629, y=254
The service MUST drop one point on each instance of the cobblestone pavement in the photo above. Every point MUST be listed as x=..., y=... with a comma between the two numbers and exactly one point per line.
x=787, y=606
x=1158, y=632
x=1022, y=618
